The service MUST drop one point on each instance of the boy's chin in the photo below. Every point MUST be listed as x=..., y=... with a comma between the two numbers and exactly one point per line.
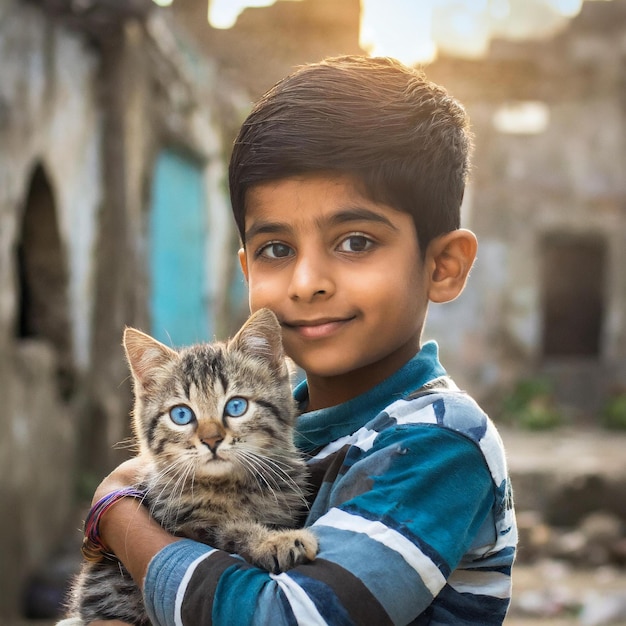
x=361, y=371
x=327, y=369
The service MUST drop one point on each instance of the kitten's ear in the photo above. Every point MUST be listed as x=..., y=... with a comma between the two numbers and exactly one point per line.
x=261, y=337
x=146, y=356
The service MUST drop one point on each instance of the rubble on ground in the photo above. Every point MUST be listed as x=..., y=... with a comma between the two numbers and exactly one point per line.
x=579, y=571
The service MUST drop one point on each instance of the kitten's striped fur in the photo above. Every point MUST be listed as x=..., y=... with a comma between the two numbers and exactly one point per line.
x=234, y=482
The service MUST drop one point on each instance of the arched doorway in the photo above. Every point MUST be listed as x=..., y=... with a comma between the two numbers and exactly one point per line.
x=43, y=312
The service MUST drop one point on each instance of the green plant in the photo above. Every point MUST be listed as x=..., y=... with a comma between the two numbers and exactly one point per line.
x=614, y=413
x=531, y=405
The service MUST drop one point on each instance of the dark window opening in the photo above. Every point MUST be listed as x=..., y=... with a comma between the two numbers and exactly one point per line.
x=573, y=278
x=43, y=281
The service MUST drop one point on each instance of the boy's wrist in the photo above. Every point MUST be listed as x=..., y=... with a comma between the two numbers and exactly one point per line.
x=94, y=548
x=133, y=536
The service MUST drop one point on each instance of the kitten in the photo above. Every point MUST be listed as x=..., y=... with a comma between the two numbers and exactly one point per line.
x=214, y=423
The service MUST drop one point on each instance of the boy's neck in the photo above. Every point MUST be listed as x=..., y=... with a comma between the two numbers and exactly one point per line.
x=327, y=391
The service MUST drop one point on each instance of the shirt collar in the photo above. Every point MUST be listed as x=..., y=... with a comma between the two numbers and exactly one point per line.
x=317, y=428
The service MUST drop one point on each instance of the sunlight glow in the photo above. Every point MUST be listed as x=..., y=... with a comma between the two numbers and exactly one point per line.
x=398, y=28
x=463, y=28
x=413, y=30
x=500, y=9
x=529, y=117
x=224, y=13
x=163, y=3
x=568, y=8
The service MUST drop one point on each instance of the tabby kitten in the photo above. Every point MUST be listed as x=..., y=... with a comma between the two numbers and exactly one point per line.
x=214, y=423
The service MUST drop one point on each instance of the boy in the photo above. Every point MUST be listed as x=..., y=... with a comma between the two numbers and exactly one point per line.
x=346, y=183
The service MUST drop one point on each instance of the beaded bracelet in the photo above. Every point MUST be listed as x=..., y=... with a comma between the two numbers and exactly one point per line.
x=93, y=548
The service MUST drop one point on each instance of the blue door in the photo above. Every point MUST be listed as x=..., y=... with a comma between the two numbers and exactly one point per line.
x=178, y=237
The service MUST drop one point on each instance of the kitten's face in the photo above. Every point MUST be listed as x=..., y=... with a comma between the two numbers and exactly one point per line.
x=216, y=410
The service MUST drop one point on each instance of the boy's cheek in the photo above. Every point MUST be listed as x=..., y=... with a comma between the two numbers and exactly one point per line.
x=265, y=290
x=259, y=297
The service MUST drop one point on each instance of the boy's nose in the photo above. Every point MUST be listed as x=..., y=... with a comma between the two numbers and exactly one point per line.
x=310, y=279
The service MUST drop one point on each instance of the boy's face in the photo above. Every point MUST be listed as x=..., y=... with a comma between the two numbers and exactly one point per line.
x=343, y=274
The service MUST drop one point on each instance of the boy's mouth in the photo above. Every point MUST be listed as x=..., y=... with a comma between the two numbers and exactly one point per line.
x=317, y=329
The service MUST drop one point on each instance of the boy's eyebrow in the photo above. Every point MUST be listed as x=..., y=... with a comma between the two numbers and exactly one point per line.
x=350, y=214
x=360, y=214
x=266, y=228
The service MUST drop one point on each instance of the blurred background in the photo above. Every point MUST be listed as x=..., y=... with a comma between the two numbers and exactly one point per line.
x=116, y=121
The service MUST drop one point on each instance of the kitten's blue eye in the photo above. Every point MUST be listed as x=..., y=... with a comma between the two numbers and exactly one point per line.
x=236, y=407
x=182, y=415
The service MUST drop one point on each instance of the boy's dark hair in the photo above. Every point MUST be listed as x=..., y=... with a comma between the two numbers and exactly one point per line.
x=405, y=141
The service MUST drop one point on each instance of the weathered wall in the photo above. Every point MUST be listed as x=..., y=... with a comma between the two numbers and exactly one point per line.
x=49, y=116
x=88, y=110
x=566, y=179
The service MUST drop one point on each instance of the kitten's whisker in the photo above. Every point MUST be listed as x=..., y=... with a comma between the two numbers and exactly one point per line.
x=169, y=474
x=276, y=469
x=282, y=478
x=255, y=469
x=129, y=443
x=271, y=473
x=181, y=473
x=249, y=463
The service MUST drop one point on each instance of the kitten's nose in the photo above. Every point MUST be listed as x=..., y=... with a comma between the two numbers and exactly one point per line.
x=211, y=435
x=212, y=442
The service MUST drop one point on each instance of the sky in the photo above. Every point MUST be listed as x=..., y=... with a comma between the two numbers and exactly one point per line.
x=413, y=30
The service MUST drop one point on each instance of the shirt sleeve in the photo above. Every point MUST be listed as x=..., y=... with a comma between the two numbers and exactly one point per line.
x=400, y=518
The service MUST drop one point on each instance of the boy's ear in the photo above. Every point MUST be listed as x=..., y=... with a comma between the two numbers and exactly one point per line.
x=449, y=259
x=243, y=262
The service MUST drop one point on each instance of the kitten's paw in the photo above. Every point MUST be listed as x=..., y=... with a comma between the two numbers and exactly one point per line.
x=284, y=549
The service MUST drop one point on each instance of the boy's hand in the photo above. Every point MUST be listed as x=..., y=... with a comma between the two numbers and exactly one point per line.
x=127, y=474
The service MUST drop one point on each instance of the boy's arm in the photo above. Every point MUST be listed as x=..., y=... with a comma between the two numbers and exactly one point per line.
x=127, y=528
x=134, y=536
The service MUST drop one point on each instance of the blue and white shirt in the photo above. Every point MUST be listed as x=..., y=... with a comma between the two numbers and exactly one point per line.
x=412, y=509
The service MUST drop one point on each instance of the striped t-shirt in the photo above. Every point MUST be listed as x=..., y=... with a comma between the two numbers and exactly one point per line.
x=412, y=509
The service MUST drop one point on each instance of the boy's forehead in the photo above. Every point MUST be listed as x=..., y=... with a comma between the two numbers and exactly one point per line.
x=317, y=183
x=304, y=193
x=318, y=197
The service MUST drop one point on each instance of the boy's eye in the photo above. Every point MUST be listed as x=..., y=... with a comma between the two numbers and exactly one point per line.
x=236, y=407
x=356, y=243
x=275, y=251
x=182, y=415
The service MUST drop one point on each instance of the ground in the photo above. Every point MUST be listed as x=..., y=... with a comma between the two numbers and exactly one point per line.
x=563, y=596
x=548, y=592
